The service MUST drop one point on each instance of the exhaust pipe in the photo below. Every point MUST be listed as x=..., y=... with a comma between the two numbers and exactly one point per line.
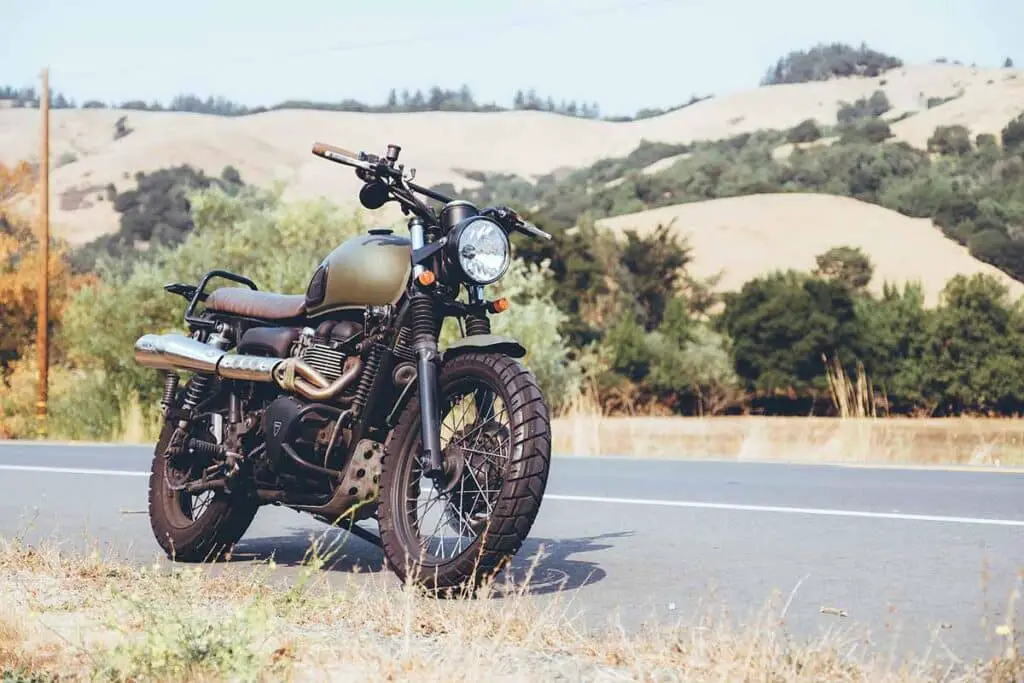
x=178, y=352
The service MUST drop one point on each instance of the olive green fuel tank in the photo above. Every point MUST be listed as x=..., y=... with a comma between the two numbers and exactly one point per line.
x=366, y=270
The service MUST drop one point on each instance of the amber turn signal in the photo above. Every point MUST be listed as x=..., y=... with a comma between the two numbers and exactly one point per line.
x=499, y=305
x=426, y=278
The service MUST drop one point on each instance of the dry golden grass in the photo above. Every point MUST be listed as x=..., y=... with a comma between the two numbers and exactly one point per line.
x=275, y=145
x=90, y=618
x=963, y=441
x=859, y=439
x=741, y=238
x=859, y=435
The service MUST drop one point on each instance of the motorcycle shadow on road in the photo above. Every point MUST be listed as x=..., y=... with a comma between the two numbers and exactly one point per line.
x=542, y=566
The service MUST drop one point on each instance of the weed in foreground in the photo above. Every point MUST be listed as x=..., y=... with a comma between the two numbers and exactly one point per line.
x=168, y=623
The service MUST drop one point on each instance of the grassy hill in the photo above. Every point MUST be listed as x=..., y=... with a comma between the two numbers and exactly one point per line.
x=741, y=238
x=444, y=146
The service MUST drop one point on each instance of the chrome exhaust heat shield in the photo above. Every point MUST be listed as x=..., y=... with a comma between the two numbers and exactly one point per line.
x=178, y=352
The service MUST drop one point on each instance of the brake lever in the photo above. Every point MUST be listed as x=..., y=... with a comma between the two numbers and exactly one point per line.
x=504, y=213
x=532, y=230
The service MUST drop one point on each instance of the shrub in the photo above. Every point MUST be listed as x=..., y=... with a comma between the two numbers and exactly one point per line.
x=66, y=158
x=933, y=102
x=864, y=108
x=691, y=363
x=985, y=140
x=1013, y=135
x=230, y=233
x=121, y=128
x=849, y=266
x=950, y=140
x=870, y=130
x=805, y=131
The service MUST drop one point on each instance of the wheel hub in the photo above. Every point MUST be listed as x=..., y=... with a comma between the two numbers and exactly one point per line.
x=472, y=475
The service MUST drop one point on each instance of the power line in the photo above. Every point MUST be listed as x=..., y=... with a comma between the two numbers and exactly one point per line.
x=503, y=25
x=471, y=28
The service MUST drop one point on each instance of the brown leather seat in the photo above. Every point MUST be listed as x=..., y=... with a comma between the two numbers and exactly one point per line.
x=251, y=303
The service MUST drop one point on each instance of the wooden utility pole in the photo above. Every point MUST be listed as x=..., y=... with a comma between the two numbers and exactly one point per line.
x=42, y=340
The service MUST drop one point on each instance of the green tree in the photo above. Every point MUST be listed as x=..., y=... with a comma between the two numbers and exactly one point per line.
x=895, y=333
x=655, y=263
x=781, y=325
x=826, y=61
x=974, y=361
x=155, y=213
x=583, y=261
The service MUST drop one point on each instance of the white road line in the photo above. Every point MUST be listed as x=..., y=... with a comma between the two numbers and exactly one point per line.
x=18, y=443
x=823, y=512
x=72, y=470
x=793, y=510
x=706, y=459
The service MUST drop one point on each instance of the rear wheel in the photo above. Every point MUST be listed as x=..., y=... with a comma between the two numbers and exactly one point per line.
x=495, y=434
x=192, y=527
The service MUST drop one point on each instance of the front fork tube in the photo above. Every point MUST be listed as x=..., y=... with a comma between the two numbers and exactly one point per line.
x=430, y=415
x=425, y=331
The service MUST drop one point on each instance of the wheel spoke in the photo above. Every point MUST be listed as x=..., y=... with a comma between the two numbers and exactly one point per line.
x=476, y=443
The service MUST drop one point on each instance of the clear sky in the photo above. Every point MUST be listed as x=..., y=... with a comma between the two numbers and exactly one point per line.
x=623, y=54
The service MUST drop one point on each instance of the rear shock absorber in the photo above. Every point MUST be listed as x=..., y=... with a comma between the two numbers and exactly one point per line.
x=170, y=389
x=194, y=394
x=424, y=335
x=196, y=391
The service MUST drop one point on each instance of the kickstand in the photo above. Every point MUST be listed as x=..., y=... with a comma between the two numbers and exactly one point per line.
x=360, y=532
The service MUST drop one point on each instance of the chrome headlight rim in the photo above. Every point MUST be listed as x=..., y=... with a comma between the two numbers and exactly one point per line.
x=456, y=245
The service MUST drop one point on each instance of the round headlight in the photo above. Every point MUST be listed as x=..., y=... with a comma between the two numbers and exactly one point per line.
x=482, y=250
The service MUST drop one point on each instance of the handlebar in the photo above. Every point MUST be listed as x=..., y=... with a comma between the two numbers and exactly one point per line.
x=379, y=167
x=320, y=148
x=340, y=155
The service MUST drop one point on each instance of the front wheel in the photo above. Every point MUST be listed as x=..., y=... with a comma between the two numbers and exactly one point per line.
x=496, y=440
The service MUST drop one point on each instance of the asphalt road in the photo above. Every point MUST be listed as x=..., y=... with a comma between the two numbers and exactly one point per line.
x=919, y=559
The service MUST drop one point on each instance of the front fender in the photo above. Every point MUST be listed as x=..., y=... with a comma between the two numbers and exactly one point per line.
x=484, y=342
x=475, y=342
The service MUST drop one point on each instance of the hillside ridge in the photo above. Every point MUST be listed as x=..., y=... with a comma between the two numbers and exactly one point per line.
x=443, y=146
x=741, y=238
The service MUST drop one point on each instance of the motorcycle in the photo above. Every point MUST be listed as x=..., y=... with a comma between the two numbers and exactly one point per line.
x=339, y=402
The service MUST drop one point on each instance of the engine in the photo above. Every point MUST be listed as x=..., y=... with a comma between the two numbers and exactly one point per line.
x=324, y=349
x=305, y=437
